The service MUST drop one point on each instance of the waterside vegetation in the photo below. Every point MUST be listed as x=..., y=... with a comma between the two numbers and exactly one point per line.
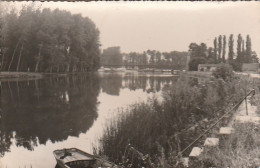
x=201, y=54
x=240, y=149
x=163, y=129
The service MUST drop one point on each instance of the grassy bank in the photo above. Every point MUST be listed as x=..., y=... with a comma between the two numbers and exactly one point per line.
x=198, y=74
x=240, y=149
x=162, y=129
x=10, y=75
x=30, y=75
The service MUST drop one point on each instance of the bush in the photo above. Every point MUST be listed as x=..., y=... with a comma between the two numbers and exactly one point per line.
x=162, y=129
x=241, y=149
x=193, y=65
x=237, y=66
x=225, y=72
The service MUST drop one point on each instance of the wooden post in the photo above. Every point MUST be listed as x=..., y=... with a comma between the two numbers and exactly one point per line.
x=246, y=96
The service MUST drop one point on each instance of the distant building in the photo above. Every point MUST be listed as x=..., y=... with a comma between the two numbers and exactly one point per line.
x=148, y=56
x=250, y=67
x=208, y=67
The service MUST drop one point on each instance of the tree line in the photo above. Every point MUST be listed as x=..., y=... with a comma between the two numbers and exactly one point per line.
x=44, y=40
x=149, y=58
x=200, y=54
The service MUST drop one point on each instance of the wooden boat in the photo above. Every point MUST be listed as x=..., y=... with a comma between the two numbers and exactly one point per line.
x=75, y=158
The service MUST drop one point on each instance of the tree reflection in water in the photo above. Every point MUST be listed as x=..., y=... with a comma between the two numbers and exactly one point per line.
x=47, y=109
x=52, y=109
x=112, y=83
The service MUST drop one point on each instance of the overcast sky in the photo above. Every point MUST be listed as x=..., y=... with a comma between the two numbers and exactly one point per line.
x=167, y=26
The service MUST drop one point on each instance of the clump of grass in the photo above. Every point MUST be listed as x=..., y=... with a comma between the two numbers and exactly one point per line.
x=161, y=129
x=241, y=149
x=255, y=100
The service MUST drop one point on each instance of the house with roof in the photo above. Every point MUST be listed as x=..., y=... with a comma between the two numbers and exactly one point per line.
x=208, y=67
x=251, y=67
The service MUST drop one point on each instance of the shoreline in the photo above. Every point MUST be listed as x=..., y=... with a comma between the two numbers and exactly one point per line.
x=30, y=75
x=19, y=75
x=37, y=75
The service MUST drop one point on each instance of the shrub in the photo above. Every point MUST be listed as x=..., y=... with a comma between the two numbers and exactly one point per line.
x=193, y=65
x=241, y=149
x=237, y=66
x=225, y=72
x=157, y=128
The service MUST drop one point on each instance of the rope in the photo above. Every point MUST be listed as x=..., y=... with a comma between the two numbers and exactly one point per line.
x=129, y=147
x=224, y=115
x=187, y=129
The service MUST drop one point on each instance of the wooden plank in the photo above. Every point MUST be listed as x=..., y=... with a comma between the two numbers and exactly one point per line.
x=212, y=142
x=196, y=151
x=247, y=119
x=226, y=130
x=185, y=161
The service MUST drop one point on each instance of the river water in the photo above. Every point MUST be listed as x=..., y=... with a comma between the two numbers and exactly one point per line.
x=40, y=116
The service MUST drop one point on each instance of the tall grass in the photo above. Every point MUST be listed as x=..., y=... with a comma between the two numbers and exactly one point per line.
x=240, y=150
x=162, y=129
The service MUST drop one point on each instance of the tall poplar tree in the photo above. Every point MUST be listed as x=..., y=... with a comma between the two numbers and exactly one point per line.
x=215, y=50
x=231, y=48
x=239, y=49
x=248, y=52
x=219, y=48
x=243, y=46
x=224, y=48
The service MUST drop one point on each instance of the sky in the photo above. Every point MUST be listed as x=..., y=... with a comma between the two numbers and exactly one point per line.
x=166, y=26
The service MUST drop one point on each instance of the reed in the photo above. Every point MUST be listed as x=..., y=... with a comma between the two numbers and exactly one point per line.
x=241, y=149
x=162, y=129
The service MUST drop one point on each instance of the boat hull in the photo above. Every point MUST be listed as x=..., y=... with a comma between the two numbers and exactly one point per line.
x=74, y=158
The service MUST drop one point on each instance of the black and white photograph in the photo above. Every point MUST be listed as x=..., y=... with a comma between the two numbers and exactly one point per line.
x=127, y=84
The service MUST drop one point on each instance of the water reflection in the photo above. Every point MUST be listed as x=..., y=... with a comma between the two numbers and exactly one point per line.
x=39, y=116
x=50, y=109
x=112, y=83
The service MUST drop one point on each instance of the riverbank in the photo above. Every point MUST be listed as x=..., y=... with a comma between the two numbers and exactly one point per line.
x=241, y=148
x=197, y=74
x=163, y=129
x=20, y=75
x=200, y=74
x=27, y=75
x=4, y=76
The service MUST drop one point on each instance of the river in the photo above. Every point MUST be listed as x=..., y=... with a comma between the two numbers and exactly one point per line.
x=40, y=116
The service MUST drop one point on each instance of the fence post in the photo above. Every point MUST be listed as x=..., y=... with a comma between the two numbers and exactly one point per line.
x=246, y=95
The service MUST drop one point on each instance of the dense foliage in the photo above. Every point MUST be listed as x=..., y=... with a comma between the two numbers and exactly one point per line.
x=41, y=40
x=111, y=56
x=163, y=129
x=200, y=54
x=224, y=71
x=147, y=59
